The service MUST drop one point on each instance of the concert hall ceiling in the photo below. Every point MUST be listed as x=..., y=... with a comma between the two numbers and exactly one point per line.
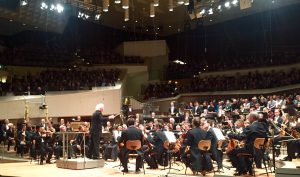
x=183, y=17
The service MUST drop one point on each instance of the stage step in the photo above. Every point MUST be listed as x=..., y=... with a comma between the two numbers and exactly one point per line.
x=80, y=163
x=287, y=172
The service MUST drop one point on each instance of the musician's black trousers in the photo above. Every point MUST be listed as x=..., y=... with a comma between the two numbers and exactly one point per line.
x=44, y=149
x=293, y=146
x=123, y=156
x=10, y=142
x=241, y=164
x=94, y=146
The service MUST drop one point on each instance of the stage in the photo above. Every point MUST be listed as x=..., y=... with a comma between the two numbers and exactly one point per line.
x=11, y=167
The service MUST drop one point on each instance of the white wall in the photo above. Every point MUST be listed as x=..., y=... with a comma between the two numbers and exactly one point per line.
x=62, y=105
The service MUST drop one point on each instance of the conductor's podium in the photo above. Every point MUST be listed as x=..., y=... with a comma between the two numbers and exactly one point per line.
x=287, y=172
x=80, y=163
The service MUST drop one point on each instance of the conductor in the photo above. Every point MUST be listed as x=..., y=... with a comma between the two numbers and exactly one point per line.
x=96, y=130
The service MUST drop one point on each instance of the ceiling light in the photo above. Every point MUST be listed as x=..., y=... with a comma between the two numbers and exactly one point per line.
x=97, y=16
x=117, y=1
x=125, y=4
x=170, y=5
x=202, y=12
x=152, y=10
x=126, y=15
x=59, y=8
x=156, y=3
x=52, y=7
x=227, y=4
x=180, y=2
x=23, y=2
x=210, y=11
x=186, y=2
x=235, y=2
x=220, y=7
x=44, y=6
x=170, y=26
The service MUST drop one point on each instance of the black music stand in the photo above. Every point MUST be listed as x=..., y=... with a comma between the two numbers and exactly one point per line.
x=171, y=139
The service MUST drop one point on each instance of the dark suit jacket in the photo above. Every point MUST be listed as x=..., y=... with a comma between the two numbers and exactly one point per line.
x=131, y=133
x=175, y=111
x=193, y=137
x=158, y=139
x=199, y=110
x=97, y=122
x=250, y=133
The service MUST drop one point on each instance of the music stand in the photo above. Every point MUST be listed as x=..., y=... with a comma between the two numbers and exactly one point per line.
x=171, y=138
x=105, y=137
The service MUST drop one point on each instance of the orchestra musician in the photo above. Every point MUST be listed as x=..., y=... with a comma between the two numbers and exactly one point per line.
x=40, y=143
x=96, y=130
x=250, y=133
x=197, y=109
x=78, y=144
x=131, y=133
x=3, y=131
x=172, y=110
x=10, y=134
x=198, y=162
x=217, y=155
x=23, y=140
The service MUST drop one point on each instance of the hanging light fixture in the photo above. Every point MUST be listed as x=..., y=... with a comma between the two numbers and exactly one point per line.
x=186, y=2
x=156, y=3
x=152, y=10
x=126, y=15
x=117, y=1
x=180, y=2
x=170, y=5
x=125, y=4
x=105, y=4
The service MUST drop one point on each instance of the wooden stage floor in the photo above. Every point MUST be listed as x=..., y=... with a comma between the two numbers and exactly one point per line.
x=26, y=169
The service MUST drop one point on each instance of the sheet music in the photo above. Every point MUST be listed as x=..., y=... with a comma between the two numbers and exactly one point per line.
x=116, y=134
x=170, y=136
x=218, y=134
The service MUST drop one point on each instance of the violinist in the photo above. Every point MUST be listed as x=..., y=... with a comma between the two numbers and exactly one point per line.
x=217, y=155
x=198, y=161
x=131, y=133
x=10, y=135
x=250, y=133
x=23, y=140
x=78, y=144
x=293, y=145
x=159, y=155
x=40, y=143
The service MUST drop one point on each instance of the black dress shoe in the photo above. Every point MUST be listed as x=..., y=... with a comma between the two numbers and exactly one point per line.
x=287, y=158
x=137, y=170
x=241, y=173
x=49, y=162
x=125, y=170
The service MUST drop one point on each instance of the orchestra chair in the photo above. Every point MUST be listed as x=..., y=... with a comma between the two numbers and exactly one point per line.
x=133, y=146
x=204, y=147
x=260, y=144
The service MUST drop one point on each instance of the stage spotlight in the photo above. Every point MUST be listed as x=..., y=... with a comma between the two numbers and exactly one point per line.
x=210, y=11
x=52, y=7
x=117, y=1
x=23, y=2
x=59, y=8
x=44, y=6
x=235, y=2
x=156, y=3
x=227, y=4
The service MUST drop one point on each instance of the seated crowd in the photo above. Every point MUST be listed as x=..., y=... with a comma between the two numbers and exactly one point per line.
x=254, y=80
x=62, y=80
x=60, y=56
x=193, y=66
